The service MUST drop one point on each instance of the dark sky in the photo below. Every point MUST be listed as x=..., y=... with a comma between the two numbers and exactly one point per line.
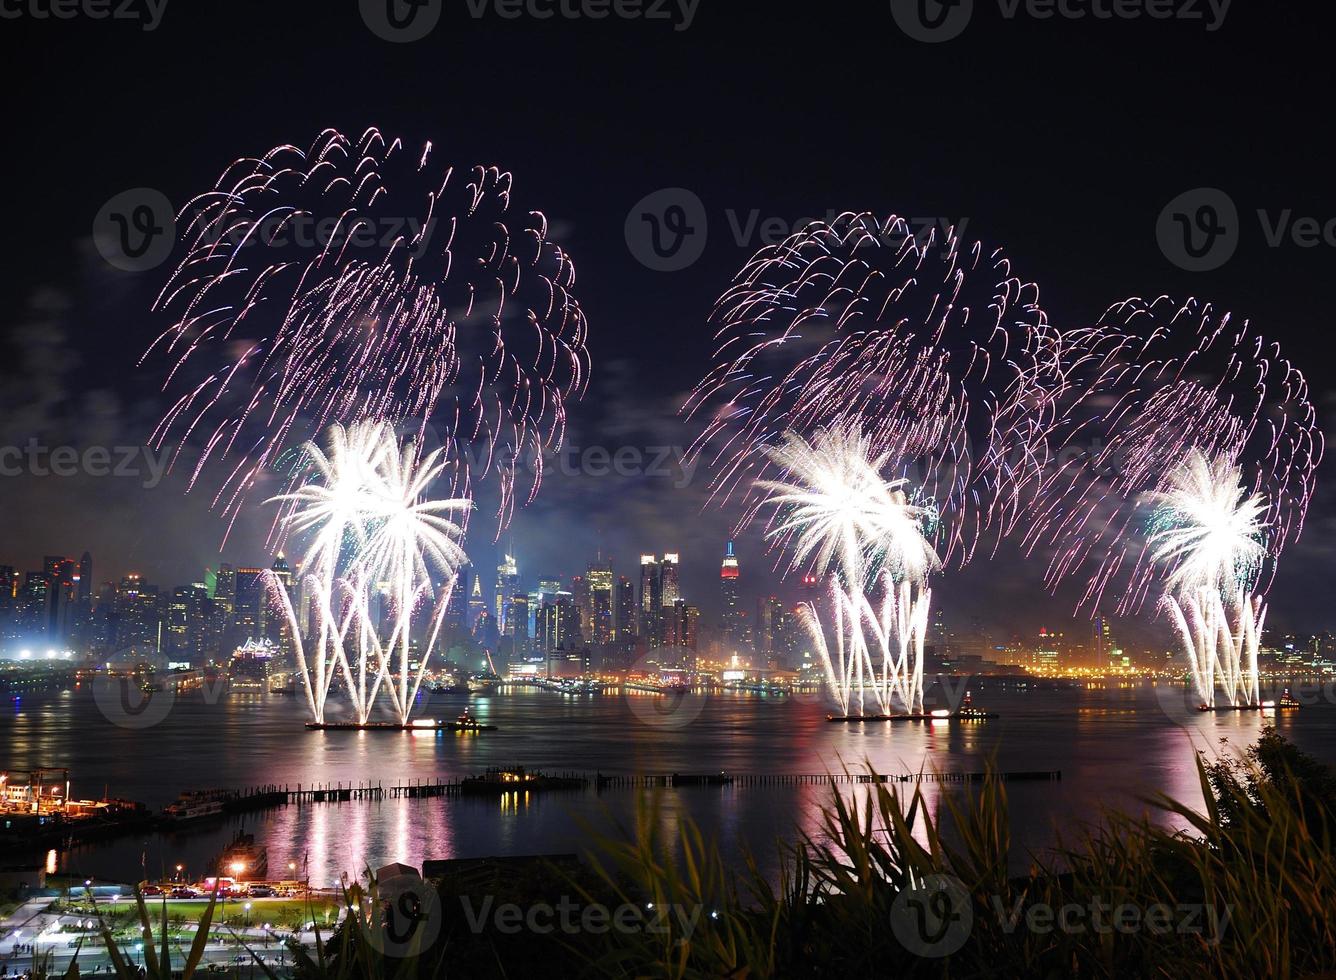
x=1061, y=140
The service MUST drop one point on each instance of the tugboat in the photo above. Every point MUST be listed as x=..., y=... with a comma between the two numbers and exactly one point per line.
x=517, y=779
x=1286, y=700
x=968, y=712
x=468, y=722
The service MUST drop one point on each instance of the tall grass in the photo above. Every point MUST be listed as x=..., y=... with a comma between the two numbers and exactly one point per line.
x=1248, y=890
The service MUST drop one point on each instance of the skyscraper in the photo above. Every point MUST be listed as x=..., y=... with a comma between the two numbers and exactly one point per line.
x=477, y=605
x=456, y=612
x=729, y=581
x=668, y=574
x=651, y=600
x=626, y=610
x=248, y=612
x=507, y=584
x=659, y=593
x=598, y=622
x=62, y=575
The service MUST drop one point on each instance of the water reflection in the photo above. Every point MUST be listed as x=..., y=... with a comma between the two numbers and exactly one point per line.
x=1115, y=747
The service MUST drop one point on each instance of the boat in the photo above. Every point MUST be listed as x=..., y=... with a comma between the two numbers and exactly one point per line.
x=1286, y=700
x=483, y=682
x=467, y=722
x=243, y=859
x=968, y=712
x=517, y=779
x=196, y=805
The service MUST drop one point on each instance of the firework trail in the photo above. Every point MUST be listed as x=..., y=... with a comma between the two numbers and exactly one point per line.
x=835, y=505
x=1123, y=407
x=1172, y=453
x=371, y=530
x=912, y=338
x=914, y=346
x=358, y=279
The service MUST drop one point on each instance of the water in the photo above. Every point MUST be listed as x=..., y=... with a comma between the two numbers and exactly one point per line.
x=1114, y=746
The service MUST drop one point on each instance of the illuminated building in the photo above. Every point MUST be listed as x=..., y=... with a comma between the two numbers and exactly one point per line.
x=732, y=625
x=626, y=610
x=507, y=584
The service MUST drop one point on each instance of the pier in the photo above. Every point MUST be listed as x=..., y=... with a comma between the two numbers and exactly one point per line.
x=433, y=789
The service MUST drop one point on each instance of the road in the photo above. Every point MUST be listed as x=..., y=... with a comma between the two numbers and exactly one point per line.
x=33, y=932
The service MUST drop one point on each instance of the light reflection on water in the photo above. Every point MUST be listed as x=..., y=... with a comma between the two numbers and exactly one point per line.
x=1115, y=747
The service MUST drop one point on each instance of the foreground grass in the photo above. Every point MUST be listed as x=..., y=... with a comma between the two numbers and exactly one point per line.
x=889, y=889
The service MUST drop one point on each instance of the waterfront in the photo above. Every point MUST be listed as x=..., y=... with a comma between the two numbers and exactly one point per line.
x=1114, y=746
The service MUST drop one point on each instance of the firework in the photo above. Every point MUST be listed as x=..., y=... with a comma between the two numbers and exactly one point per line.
x=1172, y=455
x=359, y=280
x=840, y=516
x=916, y=338
x=1124, y=407
x=373, y=533
x=1206, y=530
x=858, y=347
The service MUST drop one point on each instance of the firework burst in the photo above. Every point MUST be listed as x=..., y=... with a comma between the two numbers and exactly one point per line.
x=372, y=532
x=840, y=515
x=358, y=279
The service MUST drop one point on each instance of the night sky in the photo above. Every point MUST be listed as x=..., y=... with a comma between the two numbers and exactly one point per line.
x=1059, y=140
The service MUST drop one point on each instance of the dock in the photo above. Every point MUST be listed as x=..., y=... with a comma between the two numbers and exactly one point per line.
x=424, y=789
